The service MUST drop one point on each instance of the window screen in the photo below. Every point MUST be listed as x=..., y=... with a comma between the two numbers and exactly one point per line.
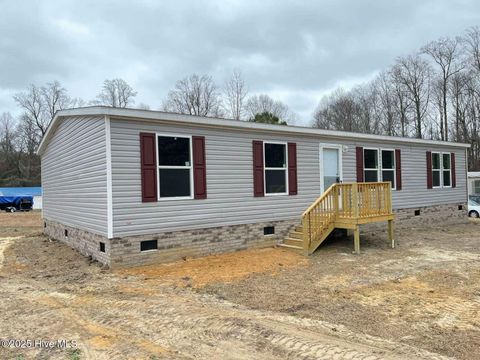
x=174, y=166
x=370, y=157
x=275, y=168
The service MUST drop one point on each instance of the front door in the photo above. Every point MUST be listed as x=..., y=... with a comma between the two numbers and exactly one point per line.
x=330, y=166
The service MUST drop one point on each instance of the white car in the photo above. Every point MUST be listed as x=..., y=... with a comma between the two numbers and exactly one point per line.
x=473, y=209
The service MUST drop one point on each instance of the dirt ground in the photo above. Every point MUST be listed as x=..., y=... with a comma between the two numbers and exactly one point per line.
x=421, y=300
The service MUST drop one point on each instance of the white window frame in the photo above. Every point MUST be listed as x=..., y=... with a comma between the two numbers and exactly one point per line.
x=379, y=165
x=449, y=170
x=284, y=168
x=372, y=169
x=440, y=169
x=394, y=186
x=190, y=168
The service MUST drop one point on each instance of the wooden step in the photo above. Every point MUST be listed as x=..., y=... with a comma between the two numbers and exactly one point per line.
x=292, y=247
x=293, y=241
x=296, y=235
x=299, y=228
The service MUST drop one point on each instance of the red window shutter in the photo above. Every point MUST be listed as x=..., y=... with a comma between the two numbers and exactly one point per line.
x=398, y=169
x=199, y=167
x=258, y=188
x=454, y=175
x=292, y=169
x=429, y=170
x=359, y=164
x=148, y=161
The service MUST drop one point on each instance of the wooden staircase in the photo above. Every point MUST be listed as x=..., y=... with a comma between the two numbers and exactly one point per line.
x=343, y=206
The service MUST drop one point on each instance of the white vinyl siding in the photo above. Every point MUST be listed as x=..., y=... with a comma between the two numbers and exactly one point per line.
x=74, y=175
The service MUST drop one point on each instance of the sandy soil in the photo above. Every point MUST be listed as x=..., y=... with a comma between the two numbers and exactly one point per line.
x=425, y=293
x=264, y=304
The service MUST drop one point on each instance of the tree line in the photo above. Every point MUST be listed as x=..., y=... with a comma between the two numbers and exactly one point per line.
x=194, y=95
x=433, y=93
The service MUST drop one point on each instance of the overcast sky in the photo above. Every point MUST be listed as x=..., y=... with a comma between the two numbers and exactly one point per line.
x=295, y=51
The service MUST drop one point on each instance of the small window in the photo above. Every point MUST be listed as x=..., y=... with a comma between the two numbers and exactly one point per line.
x=460, y=207
x=447, y=172
x=370, y=158
x=174, y=167
x=44, y=225
x=269, y=230
x=476, y=187
x=417, y=212
x=388, y=166
x=65, y=231
x=275, y=168
x=102, y=246
x=148, y=245
x=436, y=170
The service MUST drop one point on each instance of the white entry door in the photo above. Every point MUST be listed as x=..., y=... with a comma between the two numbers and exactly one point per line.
x=330, y=166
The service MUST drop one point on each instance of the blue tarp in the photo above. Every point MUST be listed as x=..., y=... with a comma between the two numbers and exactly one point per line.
x=14, y=200
x=20, y=191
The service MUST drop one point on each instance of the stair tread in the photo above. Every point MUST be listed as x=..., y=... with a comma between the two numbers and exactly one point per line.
x=294, y=239
x=290, y=246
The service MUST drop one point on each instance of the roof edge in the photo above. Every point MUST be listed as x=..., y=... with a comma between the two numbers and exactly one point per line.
x=219, y=122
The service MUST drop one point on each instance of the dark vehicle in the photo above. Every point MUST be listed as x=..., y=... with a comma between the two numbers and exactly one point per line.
x=16, y=203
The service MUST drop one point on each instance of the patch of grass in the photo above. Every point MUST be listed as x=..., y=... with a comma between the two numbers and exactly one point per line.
x=74, y=354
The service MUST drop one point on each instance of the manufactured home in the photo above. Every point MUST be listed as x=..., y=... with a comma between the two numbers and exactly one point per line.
x=129, y=186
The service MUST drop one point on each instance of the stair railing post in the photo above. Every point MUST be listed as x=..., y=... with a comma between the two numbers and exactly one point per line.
x=355, y=204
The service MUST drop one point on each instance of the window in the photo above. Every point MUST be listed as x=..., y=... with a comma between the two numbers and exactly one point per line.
x=441, y=169
x=379, y=168
x=476, y=186
x=436, y=170
x=370, y=159
x=447, y=171
x=174, y=167
x=275, y=168
x=388, y=166
x=102, y=246
x=148, y=245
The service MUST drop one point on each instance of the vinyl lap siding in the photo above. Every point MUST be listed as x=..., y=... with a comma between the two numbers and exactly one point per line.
x=414, y=191
x=230, y=197
x=230, y=180
x=74, y=175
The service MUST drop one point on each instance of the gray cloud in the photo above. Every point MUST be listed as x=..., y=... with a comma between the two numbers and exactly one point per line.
x=295, y=51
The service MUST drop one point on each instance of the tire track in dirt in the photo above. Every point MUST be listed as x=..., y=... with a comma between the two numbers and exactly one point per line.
x=192, y=322
x=4, y=244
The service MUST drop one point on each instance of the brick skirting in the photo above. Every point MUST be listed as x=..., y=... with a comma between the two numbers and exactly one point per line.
x=176, y=245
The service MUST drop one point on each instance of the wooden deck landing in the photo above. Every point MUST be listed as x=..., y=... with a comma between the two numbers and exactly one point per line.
x=343, y=206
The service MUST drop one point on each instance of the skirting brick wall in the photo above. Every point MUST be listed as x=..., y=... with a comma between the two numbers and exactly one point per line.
x=194, y=243
x=171, y=245
x=85, y=242
x=436, y=215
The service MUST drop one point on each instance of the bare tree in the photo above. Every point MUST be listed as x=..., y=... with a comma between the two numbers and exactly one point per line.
x=194, y=95
x=338, y=111
x=116, y=93
x=414, y=74
x=444, y=52
x=235, y=93
x=55, y=97
x=472, y=41
x=263, y=103
x=387, y=102
x=33, y=105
